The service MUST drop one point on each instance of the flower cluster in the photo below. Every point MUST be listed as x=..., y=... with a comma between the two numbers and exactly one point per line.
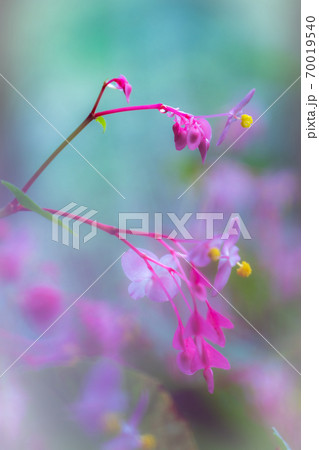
x=189, y=130
x=193, y=132
x=161, y=280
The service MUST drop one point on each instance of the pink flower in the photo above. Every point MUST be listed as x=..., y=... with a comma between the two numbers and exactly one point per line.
x=122, y=83
x=193, y=132
x=236, y=114
x=225, y=252
x=195, y=352
x=42, y=304
x=106, y=329
x=148, y=281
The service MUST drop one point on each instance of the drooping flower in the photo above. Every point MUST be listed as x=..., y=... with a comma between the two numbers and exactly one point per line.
x=224, y=251
x=195, y=352
x=148, y=281
x=235, y=114
x=195, y=132
x=121, y=83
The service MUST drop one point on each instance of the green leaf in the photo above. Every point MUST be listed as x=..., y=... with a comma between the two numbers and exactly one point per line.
x=101, y=121
x=26, y=201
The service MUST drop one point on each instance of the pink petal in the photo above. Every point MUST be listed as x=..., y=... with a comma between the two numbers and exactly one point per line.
x=243, y=102
x=203, y=149
x=198, y=255
x=213, y=358
x=154, y=288
x=134, y=265
x=217, y=321
x=180, y=136
x=205, y=127
x=199, y=284
x=137, y=289
x=222, y=276
x=233, y=233
x=225, y=131
x=193, y=137
x=188, y=360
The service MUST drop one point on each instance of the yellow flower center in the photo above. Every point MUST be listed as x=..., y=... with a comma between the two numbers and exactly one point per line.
x=111, y=423
x=214, y=254
x=244, y=270
x=148, y=442
x=246, y=121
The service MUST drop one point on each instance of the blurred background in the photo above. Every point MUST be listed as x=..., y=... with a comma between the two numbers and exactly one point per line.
x=203, y=57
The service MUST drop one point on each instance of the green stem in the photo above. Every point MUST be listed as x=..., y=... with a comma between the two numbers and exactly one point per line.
x=13, y=206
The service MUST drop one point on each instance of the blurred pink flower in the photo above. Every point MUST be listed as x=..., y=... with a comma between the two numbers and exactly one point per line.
x=121, y=83
x=102, y=395
x=193, y=132
x=195, y=352
x=41, y=304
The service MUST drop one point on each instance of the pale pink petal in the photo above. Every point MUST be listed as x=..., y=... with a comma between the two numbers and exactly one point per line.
x=203, y=149
x=134, y=265
x=178, y=339
x=222, y=276
x=205, y=127
x=209, y=377
x=155, y=288
x=198, y=326
x=137, y=289
x=225, y=131
x=243, y=102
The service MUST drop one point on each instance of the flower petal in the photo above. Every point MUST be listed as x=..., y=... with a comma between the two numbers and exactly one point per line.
x=137, y=289
x=225, y=131
x=193, y=137
x=243, y=102
x=213, y=358
x=222, y=276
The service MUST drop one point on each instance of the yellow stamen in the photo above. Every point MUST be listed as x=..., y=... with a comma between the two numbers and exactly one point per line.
x=244, y=269
x=246, y=121
x=111, y=423
x=214, y=254
x=148, y=442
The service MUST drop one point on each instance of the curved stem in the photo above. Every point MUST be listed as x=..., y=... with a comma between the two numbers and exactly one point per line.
x=157, y=106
